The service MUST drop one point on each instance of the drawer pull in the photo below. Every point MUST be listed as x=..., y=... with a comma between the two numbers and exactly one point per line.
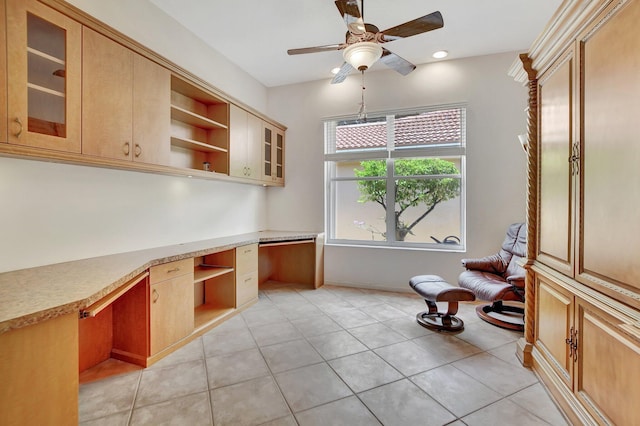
x=156, y=295
x=246, y=280
x=176, y=269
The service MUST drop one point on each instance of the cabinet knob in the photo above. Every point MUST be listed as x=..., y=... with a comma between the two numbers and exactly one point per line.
x=125, y=148
x=138, y=150
x=17, y=120
x=156, y=295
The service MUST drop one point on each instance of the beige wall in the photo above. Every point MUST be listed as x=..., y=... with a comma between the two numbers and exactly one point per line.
x=53, y=212
x=495, y=165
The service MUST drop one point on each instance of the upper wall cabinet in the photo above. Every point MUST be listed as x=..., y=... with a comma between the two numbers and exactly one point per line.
x=125, y=105
x=77, y=91
x=44, y=71
x=244, y=144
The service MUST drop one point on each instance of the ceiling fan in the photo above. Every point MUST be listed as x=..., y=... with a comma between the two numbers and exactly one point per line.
x=363, y=41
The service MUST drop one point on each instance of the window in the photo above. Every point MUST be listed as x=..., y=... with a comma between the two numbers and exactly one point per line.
x=397, y=179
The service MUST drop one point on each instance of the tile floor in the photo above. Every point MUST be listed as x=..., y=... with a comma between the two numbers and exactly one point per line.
x=332, y=356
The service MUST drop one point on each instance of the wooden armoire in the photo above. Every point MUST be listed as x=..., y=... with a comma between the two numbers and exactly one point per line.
x=582, y=333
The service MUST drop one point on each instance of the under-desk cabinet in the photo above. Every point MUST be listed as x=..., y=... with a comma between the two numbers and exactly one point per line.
x=171, y=309
x=589, y=352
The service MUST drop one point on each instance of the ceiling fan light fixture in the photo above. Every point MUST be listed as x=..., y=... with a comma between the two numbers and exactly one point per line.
x=362, y=55
x=335, y=70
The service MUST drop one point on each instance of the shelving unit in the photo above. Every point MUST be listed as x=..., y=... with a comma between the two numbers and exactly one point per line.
x=199, y=128
x=214, y=287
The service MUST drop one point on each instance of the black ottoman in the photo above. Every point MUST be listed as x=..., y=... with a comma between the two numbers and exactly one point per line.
x=435, y=289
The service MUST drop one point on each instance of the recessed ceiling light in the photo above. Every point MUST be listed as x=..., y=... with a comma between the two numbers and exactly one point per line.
x=440, y=54
x=335, y=71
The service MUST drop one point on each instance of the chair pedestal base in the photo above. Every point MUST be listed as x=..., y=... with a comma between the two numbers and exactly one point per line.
x=439, y=321
x=501, y=315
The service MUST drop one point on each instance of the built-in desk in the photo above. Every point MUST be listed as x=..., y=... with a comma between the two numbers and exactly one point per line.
x=42, y=310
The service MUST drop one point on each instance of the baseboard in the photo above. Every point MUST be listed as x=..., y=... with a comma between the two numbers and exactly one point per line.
x=371, y=287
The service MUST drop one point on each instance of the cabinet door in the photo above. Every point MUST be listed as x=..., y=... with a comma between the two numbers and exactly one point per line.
x=273, y=154
x=554, y=322
x=3, y=76
x=607, y=382
x=609, y=224
x=151, y=112
x=278, y=157
x=254, y=147
x=245, y=130
x=556, y=199
x=267, y=151
x=238, y=141
x=44, y=74
x=107, y=81
x=171, y=311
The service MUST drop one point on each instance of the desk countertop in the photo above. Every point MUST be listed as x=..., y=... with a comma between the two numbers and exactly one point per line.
x=32, y=295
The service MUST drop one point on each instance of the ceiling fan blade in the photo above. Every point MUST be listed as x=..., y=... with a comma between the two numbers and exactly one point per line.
x=394, y=61
x=326, y=48
x=421, y=25
x=345, y=69
x=351, y=14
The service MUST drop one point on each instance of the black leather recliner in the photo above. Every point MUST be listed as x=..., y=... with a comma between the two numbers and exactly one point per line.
x=498, y=278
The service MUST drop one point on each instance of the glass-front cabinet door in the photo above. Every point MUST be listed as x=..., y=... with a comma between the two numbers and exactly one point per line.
x=273, y=154
x=44, y=69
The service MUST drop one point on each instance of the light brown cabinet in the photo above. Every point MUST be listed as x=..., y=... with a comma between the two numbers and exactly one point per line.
x=79, y=92
x=171, y=309
x=125, y=105
x=584, y=277
x=245, y=130
x=272, y=154
x=44, y=77
x=246, y=274
x=593, y=350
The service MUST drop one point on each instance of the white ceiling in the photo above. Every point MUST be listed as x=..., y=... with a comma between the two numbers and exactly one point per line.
x=255, y=34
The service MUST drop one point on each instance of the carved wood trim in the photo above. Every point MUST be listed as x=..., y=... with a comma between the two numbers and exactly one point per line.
x=532, y=196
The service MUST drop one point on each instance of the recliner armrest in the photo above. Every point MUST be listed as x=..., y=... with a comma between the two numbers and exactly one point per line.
x=493, y=264
x=516, y=280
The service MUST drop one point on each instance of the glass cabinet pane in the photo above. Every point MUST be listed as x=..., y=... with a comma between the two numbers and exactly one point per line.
x=267, y=152
x=279, y=159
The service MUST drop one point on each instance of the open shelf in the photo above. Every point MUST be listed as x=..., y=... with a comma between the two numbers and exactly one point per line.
x=193, y=119
x=202, y=273
x=207, y=313
x=195, y=145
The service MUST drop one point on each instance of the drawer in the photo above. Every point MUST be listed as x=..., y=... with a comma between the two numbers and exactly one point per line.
x=246, y=259
x=246, y=288
x=170, y=270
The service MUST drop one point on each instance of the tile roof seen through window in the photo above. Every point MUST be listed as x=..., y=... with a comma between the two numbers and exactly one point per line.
x=429, y=128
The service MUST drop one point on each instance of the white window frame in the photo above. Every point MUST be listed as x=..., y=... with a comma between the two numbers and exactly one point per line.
x=390, y=153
